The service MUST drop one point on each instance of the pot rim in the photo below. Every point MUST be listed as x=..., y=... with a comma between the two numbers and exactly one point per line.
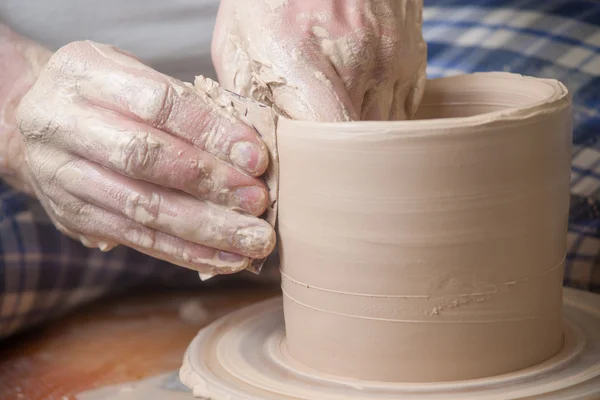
x=557, y=100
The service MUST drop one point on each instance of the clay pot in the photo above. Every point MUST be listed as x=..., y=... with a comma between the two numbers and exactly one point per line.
x=432, y=249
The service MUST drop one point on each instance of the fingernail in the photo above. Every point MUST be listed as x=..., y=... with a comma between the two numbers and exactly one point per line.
x=246, y=156
x=256, y=241
x=230, y=257
x=250, y=199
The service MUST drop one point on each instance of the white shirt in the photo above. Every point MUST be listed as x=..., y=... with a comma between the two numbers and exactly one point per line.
x=172, y=36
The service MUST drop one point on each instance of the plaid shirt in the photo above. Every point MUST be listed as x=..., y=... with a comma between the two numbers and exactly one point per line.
x=44, y=274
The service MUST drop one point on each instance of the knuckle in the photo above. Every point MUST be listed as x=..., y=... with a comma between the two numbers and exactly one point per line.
x=71, y=211
x=143, y=208
x=47, y=128
x=62, y=218
x=201, y=175
x=208, y=189
x=69, y=59
x=69, y=176
x=25, y=124
x=44, y=168
x=37, y=123
x=165, y=106
x=135, y=151
x=217, y=136
x=72, y=217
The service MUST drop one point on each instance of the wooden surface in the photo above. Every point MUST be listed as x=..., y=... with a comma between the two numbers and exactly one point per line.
x=117, y=340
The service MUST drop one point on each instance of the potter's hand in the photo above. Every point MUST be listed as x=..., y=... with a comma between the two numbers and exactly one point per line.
x=112, y=146
x=329, y=60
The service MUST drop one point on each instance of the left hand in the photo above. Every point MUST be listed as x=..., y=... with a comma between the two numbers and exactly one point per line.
x=118, y=153
x=324, y=60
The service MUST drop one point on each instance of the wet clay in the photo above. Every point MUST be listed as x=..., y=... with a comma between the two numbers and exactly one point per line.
x=263, y=119
x=432, y=249
x=244, y=356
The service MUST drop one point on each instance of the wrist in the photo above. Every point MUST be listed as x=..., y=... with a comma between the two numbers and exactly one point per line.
x=22, y=61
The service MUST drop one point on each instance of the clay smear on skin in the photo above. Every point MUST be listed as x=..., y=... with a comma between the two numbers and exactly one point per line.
x=109, y=87
x=252, y=70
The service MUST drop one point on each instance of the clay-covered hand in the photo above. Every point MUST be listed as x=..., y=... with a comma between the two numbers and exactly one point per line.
x=326, y=60
x=121, y=154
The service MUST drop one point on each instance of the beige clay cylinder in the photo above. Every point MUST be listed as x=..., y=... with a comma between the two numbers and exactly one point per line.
x=432, y=249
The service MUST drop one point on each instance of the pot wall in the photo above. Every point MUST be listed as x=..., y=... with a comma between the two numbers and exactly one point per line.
x=429, y=250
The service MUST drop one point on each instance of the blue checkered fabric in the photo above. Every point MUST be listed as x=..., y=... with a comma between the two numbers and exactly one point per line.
x=44, y=274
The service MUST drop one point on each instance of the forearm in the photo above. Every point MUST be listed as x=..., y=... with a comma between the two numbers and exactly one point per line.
x=21, y=61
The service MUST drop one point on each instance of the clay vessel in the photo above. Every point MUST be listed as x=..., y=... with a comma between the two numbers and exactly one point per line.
x=432, y=249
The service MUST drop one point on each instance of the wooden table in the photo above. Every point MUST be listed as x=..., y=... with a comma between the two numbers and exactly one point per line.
x=117, y=340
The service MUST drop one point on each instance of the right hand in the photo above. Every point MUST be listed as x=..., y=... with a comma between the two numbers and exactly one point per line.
x=121, y=154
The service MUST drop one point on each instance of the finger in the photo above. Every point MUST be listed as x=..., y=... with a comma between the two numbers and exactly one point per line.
x=95, y=227
x=137, y=150
x=98, y=226
x=407, y=97
x=171, y=212
x=107, y=78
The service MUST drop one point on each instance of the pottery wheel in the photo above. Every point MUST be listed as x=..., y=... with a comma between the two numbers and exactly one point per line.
x=243, y=356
